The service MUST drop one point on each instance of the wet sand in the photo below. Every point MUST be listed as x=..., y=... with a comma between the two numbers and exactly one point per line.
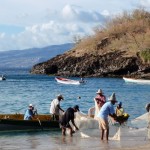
x=142, y=147
x=56, y=141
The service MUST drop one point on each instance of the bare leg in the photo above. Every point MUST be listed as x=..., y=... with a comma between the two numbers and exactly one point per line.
x=64, y=131
x=107, y=134
x=102, y=134
x=71, y=131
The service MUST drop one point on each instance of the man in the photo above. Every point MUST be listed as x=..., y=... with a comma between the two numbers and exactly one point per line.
x=99, y=100
x=55, y=107
x=119, y=110
x=106, y=110
x=66, y=118
x=29, y=114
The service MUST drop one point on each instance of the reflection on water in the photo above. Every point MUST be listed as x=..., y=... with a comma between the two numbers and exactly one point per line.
x=54, y=140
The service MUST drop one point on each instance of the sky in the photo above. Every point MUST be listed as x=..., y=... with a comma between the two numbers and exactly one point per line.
x=39, y=23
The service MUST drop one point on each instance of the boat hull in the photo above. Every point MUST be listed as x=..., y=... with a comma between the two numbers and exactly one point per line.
x=140, y=81
x=2, y=78
x=14, y=123
x=67, y=81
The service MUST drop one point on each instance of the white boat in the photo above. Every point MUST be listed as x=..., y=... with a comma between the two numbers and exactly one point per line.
x=67, y=81
x=141, y=81
x=2, y=78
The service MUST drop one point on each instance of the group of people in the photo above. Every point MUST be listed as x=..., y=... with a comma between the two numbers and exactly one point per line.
x=103, y=111
x=64, y=117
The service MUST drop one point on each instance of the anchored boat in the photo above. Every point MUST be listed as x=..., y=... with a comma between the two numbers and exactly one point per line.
x=133, y=80
x=68, y=81
x=2, y=77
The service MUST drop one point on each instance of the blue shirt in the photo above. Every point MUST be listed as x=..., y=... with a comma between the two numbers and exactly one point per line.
x=28, y=114
x=106, y=109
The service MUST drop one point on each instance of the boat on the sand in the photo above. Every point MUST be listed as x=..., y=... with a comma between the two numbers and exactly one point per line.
x=133, y=80
x=15, y=122
x=68, y=81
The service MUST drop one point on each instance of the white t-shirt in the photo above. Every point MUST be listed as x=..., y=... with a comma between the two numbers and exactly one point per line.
x=53, y=107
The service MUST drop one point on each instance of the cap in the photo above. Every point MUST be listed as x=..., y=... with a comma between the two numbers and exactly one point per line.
x=60, y=96
x=76, y=107
x=120, y=103
x=30, y=105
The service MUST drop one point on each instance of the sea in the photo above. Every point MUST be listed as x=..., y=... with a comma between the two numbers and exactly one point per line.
x=22, y=88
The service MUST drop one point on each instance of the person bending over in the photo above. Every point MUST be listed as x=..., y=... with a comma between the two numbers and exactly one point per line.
x=66, y=118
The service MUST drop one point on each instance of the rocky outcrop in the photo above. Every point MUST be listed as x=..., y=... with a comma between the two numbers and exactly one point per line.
x=112, y=64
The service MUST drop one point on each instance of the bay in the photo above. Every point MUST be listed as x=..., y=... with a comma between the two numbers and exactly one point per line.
x=22, y=88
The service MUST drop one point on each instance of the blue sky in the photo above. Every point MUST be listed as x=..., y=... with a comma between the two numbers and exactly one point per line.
x=39, y=23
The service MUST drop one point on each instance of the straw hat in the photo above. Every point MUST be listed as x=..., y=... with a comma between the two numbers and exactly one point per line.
x=99, y=91
x=112, y=98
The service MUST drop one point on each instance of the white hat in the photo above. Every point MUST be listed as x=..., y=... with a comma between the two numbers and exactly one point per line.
x=112, y=98
x=30, y=105
x=99, y=91
x=60, y=96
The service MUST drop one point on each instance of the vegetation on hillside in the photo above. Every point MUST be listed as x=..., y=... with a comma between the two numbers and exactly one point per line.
x=128, y=32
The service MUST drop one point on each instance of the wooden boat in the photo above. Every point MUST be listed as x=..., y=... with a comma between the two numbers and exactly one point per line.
x=68, y=81
x=141, y=81
x=15, y=122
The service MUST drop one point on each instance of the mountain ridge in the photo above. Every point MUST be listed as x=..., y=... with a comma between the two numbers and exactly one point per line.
x=28, y=57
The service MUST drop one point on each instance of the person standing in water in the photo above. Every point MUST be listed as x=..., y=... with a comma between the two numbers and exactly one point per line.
x=99, y=100
x=106, y=110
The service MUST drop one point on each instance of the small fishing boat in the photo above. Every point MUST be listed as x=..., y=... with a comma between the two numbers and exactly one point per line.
x=133, y=80
x=2, y=78
x=68, y=81
x=15, y=122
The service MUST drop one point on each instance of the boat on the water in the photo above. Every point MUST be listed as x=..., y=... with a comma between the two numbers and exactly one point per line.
x=15, y=122
x=68, y=81
x=133, y=80
x=2, y=77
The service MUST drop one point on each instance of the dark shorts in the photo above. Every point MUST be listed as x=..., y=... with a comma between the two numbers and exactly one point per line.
x=65, y=126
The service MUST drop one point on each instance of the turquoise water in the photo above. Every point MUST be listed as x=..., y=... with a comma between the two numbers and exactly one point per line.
x=22, y=88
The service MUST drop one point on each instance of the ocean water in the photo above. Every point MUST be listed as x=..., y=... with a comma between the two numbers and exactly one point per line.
x=22, y=88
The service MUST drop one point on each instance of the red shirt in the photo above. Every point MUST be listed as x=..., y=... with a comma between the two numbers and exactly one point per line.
x=100, y=99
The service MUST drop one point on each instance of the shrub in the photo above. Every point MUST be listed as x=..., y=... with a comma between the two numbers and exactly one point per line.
x=145, y=55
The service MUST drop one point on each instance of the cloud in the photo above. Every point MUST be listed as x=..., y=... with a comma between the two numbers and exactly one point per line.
x=41, y=35
x=145, y=3
x=45, y=22
x=73, y=13
x=69, y=22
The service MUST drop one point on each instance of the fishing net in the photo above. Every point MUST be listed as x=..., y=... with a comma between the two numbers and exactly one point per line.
x=137, y=129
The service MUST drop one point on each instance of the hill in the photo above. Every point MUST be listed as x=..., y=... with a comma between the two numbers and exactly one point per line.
x=121, y=47
x=29, y=57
